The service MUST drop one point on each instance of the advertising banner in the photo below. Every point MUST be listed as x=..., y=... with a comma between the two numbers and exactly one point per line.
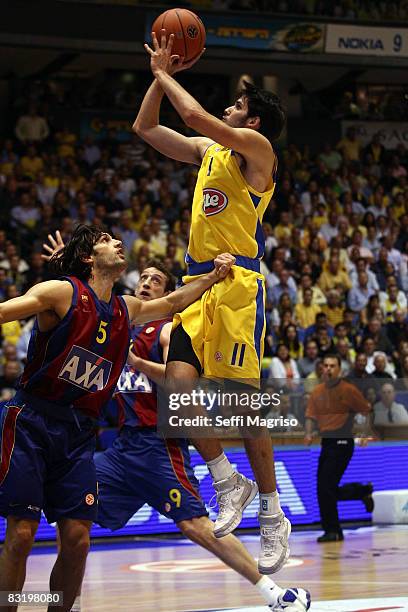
x=255, y=33
x=296, y=469
x=391, y=134
x=362, y=40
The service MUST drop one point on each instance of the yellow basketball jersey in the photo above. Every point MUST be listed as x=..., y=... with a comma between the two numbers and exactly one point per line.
x=227, y=212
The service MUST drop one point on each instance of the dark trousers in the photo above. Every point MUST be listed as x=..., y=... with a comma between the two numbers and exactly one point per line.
x=333, y=461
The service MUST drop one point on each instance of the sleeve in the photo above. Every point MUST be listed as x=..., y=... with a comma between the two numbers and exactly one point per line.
x=311, y=407
x=358, y=401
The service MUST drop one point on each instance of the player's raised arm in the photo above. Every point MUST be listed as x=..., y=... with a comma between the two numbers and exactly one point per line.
x=51, y=295
x=142, y=312
x=163, y=139
x=244, y=138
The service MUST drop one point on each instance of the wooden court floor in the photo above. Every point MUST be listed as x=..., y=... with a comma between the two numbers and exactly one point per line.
x=176, y=576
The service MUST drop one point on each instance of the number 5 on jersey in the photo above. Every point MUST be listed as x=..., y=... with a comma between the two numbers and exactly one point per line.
x=101, y=335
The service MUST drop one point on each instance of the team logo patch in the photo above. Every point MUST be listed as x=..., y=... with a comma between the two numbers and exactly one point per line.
x=218, y=356
x=84, y=298
x=86, y=370
x=192, y=31
x=149, y=330
x=90, y=499
x=214, y=201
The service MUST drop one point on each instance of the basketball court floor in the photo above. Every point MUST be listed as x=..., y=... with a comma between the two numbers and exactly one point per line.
x=368, y=572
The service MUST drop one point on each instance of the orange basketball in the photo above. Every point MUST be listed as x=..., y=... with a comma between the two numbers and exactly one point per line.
x=188, y=30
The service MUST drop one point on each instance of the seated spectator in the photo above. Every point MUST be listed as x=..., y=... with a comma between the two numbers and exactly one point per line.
x=397, y=328
x=334, y=277
x=359, y=376
x=378, y=333
x=324, y=342
x=283, y=369
x=306, y=282
x=371, y=241
x=306, y=364
x=361, y=265
x=359, y=295
x=283, y=287
x=290, y=338
x=380, y=366
x=333, y=309
x=284, y=305
x=9, y=379
x=330, y=230
x=315, y=377
x=320, y=323
x=357, y=241
x=27, y=213
x=350, y=146
x=387, y=412
x=391, y=300
x=331, y=158
x=346, y=354
x=31, y=127
x=31, y=163
x=305, y=312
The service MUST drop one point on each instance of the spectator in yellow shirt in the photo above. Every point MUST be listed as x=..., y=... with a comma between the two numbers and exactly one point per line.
x=350, y=145
x=333, y=308
x=334, y=277
x=31, y=163
x=284, y=227
x=306, y=311
x=66, y=142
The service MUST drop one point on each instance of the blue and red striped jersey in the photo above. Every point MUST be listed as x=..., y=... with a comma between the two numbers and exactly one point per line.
x=79, y=361
x=136, y=394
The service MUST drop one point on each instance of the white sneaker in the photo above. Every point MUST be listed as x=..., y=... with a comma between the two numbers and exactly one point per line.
x=293, y=600
x=275, y=532
x=233, y=495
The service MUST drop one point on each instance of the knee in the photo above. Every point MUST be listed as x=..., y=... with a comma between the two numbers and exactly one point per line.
x=20, y=541
x=200, y=530
x=75, y=542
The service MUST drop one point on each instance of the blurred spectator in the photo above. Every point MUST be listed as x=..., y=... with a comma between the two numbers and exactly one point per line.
x=31, y=127
x=307, y=363
x=334, y=277
x=333, y=309
x=283, y=368
x=387, y=411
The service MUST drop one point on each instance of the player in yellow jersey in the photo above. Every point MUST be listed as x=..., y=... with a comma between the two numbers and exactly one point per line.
x=222, y=334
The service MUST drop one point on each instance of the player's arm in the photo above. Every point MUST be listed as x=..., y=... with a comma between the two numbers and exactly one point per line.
x=250, y=143
x=154, y=371
x=163, y=139
x=142, y=312
x=51, y=295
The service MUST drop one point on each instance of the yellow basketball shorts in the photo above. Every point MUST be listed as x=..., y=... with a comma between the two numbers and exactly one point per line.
x=227, y=326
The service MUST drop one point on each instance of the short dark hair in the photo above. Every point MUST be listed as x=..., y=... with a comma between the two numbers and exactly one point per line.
x=70, y=260
x=268, y=107
x=335, y=356
x=157, y=263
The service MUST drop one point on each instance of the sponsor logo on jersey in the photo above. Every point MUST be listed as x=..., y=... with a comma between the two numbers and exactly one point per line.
x=86, y=370
x=131, y=381
x=218, y=356
x=214, y=201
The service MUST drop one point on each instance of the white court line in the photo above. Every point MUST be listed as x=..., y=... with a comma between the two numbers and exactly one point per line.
x=304, y=581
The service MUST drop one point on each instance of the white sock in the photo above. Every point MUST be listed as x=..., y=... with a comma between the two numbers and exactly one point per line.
x=76, y=607
x=269, y=503
x=269, y=590
x=220, y=468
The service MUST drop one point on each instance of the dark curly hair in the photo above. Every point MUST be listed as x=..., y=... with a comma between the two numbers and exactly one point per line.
x=69, y=261
x=268, y=107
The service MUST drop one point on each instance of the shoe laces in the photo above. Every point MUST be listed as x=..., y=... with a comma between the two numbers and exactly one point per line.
x=270, y=539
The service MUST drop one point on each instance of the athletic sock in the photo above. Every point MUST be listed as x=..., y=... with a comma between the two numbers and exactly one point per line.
x=220, y=468
x=269, y=503
x=76, y=607
x=269, y=590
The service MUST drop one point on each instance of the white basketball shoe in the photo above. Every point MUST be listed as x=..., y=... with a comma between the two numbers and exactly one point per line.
x=275, y=532
x=233, y=495
x=292, y=600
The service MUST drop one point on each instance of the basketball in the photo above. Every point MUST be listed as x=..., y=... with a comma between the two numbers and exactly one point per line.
x=188, y=30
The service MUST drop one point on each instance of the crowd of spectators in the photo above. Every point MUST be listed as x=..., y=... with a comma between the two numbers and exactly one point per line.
x=363, y=10
x=336, y=243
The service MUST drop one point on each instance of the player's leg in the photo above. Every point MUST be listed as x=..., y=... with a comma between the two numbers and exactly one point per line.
x=71, y=502
x=22, y=473
x=69, y=568
x=333, y=461
x=17, y=545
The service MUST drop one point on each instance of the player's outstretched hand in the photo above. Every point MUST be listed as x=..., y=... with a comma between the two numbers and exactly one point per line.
x=223, y=264
x=56, y=243
x=161, y=57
